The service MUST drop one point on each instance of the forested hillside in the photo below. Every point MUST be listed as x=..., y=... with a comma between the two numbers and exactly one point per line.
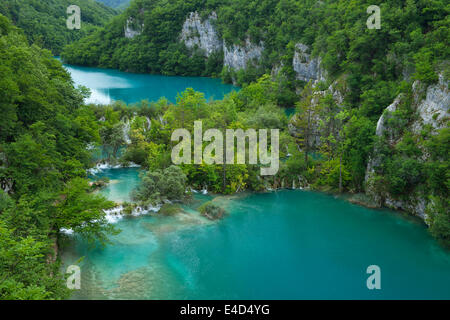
x=371, y=111
x=335, y=30
x=44, y=21
x=354, y=74
x=117, y=4
x=44, y=134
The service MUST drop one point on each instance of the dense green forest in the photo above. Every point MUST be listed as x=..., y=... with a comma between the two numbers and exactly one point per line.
x=44, y=21
x=367, y=68
x=47, y=132
x=44, y=133
x=336, y=30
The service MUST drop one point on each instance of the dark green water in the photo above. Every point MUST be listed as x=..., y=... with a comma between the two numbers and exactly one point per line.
x=110, y=85
x=283, y=245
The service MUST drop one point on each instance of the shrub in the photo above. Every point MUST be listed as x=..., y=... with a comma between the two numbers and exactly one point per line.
x=212, y=211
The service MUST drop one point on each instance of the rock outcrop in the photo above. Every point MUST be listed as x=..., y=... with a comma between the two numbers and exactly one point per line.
x=433, y=110
x=130, y=32
x=305, y=67
x=238, y=57
x=202, y=35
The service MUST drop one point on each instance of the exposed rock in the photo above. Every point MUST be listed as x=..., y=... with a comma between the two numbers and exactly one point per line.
x=203, y=35
x=416, y=205
x=6, y=184
x=382, y=122
x=307, y=68
x=432, y=111
x=238, y=57
x=130, y=33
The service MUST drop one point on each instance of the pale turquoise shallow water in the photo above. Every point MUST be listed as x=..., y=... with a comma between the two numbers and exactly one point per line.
x=283, y=245
x=111, y=85
x=122, y=182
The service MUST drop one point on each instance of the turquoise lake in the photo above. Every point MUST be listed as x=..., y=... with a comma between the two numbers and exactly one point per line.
x=111, y=85
x=290, y=244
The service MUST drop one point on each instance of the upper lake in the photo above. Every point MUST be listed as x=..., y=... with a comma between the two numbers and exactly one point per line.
x=111, y=85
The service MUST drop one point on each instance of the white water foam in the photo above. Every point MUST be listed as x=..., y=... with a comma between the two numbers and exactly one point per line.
x=105, y=166
x=116, y=214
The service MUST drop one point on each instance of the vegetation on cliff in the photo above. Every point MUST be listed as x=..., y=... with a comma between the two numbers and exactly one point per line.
x=44, y=134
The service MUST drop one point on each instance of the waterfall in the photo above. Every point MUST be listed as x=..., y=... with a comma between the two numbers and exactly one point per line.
x=126, y=131
x=149, y=123
x=293, y=184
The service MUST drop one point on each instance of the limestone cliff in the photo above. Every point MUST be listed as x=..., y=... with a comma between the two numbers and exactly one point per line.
x=201, y=34
x=238, y=57
x=305, y=67
x=430, y=107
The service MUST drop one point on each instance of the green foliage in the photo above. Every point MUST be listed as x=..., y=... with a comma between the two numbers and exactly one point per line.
x=439, y=218
x=169, y=209
x=44, y=136
x=24, y=272
x=44, y=21
x=413, y=39
x=157, y=186
x=211, y=211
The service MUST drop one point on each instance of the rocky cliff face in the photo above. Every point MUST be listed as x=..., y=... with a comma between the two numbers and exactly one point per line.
x=203, y=35
x=130, y=32
x=305, y=67
x=238, y=57
x=433, y=110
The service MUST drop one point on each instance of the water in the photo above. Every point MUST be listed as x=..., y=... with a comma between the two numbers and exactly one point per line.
x=121, y=182
x=283, y=245
x=111, y=85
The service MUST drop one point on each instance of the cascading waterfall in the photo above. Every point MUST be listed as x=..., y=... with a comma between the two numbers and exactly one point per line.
x=126, y=131
x=149, y=123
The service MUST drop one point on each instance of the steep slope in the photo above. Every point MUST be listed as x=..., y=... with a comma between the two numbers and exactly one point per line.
x=44, y=21
x=409, y=168
x=44, y=134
